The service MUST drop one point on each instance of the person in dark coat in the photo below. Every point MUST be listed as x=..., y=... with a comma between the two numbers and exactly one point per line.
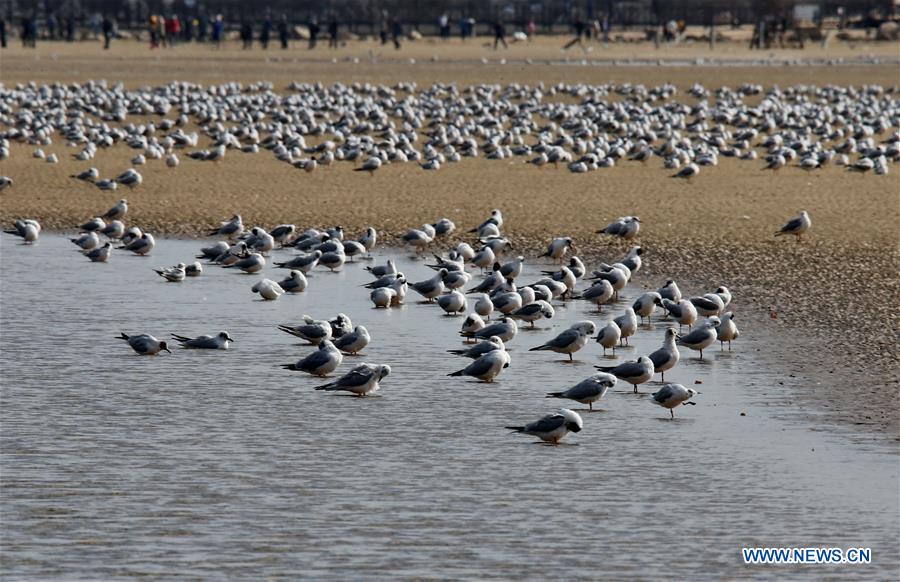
x=108, y=31
x=284, y=31
x=333, y=33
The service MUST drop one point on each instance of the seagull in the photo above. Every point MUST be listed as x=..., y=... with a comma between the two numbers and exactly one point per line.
x=383, y=297
x=5, y=182
x=484, y=306
x=340, y=325
x=94, y=224
x=145, y=344
x=709, y=304
x=486, y=367
x=268, y=289
x=304, y=263
x=687, y=172
x=626, y=227
x=598, y=293
x=389, y=268
x=667, y=356
x=219, y=341
x=431, y=288
x=312, y=330
x=553, y=427
x=29, y=230
x=87, y=241
x=230, y=228
x=608, y=337
x=727, y=331
x=534, y=311
x=481, y=348
x=130, y=178
x=354, y=341
x=88, y=175
x=195, y=269
x=99, y=254
x=107, y=185
x=589, y=390
x=683, y=312
x=636, y=372
x=443, y=227
x=702, y=337
x=671, y=395
x=115, y=229
x=570, y=340
x=370, y=165
x=453, y=302
x=251, y=264
x=796, y=226
x=361, y=380
x=627, y=324
x=645, y=304
x=321, y=362
x=141, y=246
x=670, y=291
x=369, y=239
x=118, y=211
x=558, y=247
x=174, y=274
x=211, y=252
x=295, y=282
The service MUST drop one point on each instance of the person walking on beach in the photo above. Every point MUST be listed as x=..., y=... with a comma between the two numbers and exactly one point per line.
x=383, y=32
x=531, y=30
x=218, y=28
x=284, y=32
x=396, y=32
x=2, y=32
x=444, y=26
x=579, y=31
x=499, y=35
x=247, y=35
x=313, y=33
x=266, y=33
x=107, y=32
x=70, y=29
x=333, y=33
x=173, y=30
x=29, y=33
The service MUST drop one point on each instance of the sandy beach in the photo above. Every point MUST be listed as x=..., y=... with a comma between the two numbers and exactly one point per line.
x=835, y=292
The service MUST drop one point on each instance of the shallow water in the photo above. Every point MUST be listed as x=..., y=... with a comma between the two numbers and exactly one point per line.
x=221, y=463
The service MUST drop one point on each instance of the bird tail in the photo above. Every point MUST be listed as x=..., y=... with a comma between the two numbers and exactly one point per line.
x=288, y=329
x=539, y=348
x=467, y=333
x=159, y=272
x=122, y=335
x=16, y=232
x=457, y=352
x=326, y=387
x=554, y=395
x=515, y=428
x=289, y=366
x=280, y=265
x=605, y=368
x=779, y=233
x=360, y=169
x=457, y=373
x=181, y=338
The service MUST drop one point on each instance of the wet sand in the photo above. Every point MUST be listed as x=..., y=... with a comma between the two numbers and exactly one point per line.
x=834, y=293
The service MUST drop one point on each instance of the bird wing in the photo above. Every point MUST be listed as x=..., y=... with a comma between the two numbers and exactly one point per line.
x=547, y=424
x=792, y=225
x=564, y=339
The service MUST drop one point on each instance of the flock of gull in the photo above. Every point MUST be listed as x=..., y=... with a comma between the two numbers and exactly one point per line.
x=482, y=282
x=579, y=126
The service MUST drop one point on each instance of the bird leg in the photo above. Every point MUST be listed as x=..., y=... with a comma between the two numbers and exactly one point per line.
x=672, y=412
x=635, y=388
